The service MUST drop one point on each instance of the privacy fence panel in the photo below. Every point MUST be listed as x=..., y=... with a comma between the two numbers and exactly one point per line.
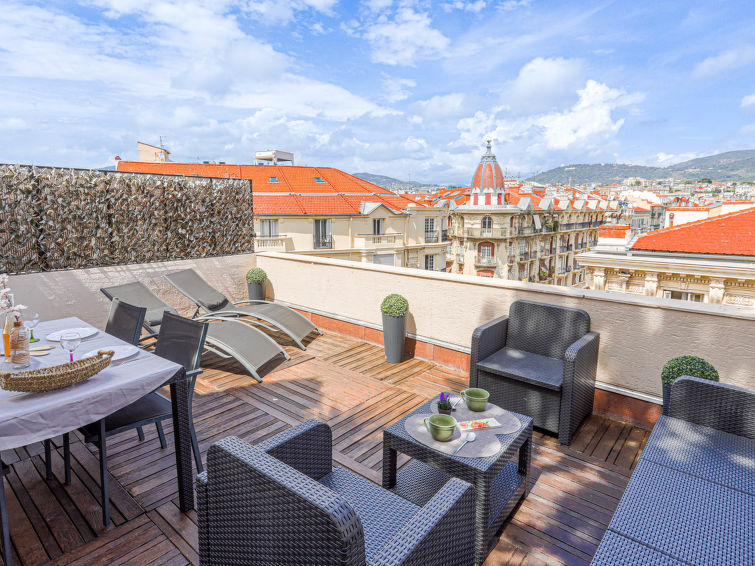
x=54, y=218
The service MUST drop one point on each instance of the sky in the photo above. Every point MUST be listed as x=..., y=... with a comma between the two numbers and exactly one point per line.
x=408, y=89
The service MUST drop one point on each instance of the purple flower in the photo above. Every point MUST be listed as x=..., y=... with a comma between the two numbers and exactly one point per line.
x=444, y=397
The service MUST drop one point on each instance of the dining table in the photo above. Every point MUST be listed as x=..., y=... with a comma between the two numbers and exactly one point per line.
x=26, y=418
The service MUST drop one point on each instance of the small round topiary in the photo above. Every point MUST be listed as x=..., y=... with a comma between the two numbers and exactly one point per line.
x=394, y=305
x=256, y=275
x=687, y=365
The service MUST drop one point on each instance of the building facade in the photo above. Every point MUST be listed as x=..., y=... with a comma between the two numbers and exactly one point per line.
x=707, y=261
x=503, y=230
x=324, y=211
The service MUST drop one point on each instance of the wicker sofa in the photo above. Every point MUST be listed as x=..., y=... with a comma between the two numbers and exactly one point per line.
x=691, y=498
x=538, y=361
x=281, y=502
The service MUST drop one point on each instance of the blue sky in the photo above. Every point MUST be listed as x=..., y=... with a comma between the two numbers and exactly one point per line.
x=405, y=89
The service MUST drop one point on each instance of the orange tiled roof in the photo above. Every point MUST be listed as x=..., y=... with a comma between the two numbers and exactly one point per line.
x=728, y=234
x=289, y=190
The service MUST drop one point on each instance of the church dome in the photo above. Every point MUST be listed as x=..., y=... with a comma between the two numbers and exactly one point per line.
x=488, y=174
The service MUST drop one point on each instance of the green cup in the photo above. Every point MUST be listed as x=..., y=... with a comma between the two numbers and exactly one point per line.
x=476, y=399
x=442, y=427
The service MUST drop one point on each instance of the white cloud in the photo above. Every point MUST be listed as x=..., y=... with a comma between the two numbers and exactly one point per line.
x=544, y=83
x=734, y=58
x=443, y=106
x=403, y=38
x=465, y=6
x=508, y=5
x=665, y=159
x=397, y=89
x=12, y=124
x=378, y=5
x=748, y=101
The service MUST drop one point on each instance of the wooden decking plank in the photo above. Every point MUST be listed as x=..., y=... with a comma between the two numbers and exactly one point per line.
x=179, y=529
x=21, y=514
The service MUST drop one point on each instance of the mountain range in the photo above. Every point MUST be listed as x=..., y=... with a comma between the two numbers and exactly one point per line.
x=729, y=166
x=393, y=184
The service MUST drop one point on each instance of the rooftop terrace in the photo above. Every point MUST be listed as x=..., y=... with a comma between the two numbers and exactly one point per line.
x=345, y=382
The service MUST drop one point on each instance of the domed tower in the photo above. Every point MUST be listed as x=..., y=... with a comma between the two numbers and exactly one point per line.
x=488, y=179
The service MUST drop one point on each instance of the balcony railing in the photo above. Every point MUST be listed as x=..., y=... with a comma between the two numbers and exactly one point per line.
x=487, y=232
x=524, y=256
x=596, y=224
x=444, y=236
x=432, y=237
x=568, y=226
x=583, y=225
x=277, y=242
x=323, y=242
x=526, y=231
x=376, y=240
x=485, y=260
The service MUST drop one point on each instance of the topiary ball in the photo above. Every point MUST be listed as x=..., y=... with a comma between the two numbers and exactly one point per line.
x=256, y=275
x=394, y=305
x=687, y=365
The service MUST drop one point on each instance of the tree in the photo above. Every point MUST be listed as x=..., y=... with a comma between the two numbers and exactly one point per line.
x=706, y=180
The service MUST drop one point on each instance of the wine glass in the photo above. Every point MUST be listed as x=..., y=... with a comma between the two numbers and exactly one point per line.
x=69, y=341
x=31, y=323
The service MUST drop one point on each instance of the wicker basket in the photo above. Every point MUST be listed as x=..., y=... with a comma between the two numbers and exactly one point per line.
x=55, y=377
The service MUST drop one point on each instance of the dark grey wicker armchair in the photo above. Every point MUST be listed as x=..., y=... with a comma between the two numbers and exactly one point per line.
x=280, y=502
x=539, y=361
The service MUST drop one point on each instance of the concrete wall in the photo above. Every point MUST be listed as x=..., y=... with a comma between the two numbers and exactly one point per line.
x=638, y=334
x=58, y=294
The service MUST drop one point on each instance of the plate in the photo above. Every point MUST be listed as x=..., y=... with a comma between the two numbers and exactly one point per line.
x=121, y=352
x=84, y=332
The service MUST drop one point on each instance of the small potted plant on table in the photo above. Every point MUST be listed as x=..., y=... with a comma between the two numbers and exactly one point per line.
x=394, y=308
x=255, y=282
x=684, y=365
x=444, y=404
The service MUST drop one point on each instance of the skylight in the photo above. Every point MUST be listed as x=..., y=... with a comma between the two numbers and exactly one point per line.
x=272, y=180
x=319, y=180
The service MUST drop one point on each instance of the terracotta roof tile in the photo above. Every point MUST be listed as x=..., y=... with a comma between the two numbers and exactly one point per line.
x=728, y=234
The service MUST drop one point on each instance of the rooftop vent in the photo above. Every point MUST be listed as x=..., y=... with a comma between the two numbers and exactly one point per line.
x=273, y=157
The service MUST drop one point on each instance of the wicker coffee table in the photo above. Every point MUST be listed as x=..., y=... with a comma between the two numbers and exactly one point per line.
x=500, y=480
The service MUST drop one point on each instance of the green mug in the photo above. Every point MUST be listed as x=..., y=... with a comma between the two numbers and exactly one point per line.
x=441, y=427
x=476, y=399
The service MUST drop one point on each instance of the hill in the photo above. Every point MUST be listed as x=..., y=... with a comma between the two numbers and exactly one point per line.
x=729, y=166
x=393, y=184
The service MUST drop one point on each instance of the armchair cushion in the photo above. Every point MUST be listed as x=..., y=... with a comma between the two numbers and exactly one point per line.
x=382, y=512
x=527, y=367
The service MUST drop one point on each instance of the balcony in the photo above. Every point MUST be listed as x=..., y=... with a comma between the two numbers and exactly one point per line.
x=342, y=378
x=432, y=237
x=485, y=260
x=378, y=240
x=444, y=236
x=271, y=243
x=487, y=232
x=526, y=231
x=524, y=256
x=323, y=242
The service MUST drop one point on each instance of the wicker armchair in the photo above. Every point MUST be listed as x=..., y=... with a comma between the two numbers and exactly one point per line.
x=280, y=502
x=539, y=361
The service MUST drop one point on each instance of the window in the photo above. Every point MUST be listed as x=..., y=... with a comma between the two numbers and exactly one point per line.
x=322, y=234
x=430, y=262
x=319, y=180
x=487, y=222
x=684, y=296
x=429, y=225
x=268, y=228
x=272, y=180
x=378, y=226
x=486, y=250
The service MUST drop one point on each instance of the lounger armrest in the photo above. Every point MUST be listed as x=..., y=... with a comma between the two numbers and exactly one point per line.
x=307, y=447
x=578, y=392
x=250, y=301
x=486, y=340
x=717, y=405
x=442, y=532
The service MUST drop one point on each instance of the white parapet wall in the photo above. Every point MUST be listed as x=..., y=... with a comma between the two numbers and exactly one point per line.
x=638, y=334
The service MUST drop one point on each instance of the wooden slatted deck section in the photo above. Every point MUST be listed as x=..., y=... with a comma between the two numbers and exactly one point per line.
x=344, y=382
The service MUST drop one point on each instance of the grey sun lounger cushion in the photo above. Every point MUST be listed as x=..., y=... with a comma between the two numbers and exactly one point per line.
x=251, y=347
x=206, y=297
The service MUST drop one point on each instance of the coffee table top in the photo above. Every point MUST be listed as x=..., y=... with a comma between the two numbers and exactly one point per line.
x=509, y=442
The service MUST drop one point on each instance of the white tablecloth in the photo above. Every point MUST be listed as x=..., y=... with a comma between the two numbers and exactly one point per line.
x=31, y=417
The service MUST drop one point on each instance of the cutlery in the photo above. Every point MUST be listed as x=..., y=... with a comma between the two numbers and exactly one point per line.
x=470, y=438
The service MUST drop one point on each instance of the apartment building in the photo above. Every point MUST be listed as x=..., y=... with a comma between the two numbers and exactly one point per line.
x=501, y=229
x=704, y=261
x=326, y=212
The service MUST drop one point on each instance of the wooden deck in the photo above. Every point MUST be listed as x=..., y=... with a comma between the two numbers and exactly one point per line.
x=344, y=382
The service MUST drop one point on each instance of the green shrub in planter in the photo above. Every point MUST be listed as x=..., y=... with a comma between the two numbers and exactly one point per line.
x=684, y=365
x=255, y=282
x=394, y=308
x=256, y=275
x=394, y=305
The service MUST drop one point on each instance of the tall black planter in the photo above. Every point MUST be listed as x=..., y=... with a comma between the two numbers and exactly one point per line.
x=666, y=398
x=394, y=333
x=256, y=291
